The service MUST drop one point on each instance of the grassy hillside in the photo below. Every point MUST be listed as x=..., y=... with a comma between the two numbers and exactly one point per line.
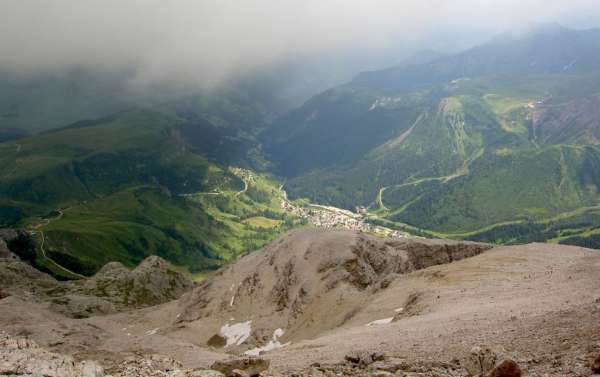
x=133, y=184
x=199, y=231
x=481, y=152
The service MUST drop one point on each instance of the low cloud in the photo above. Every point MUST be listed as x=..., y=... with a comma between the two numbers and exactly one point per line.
x=203, y=42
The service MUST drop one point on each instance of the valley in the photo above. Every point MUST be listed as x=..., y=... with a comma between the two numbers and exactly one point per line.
x=421, y=148
x=258, y=189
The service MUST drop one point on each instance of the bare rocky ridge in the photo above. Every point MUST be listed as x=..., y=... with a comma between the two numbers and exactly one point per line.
x=114, y=288
x=326, y=303
x=6, y=236
x=152, y=282
x=293, y=283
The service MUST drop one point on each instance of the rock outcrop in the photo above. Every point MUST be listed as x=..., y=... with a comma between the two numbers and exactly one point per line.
x=152, y=282
x=507, y=368
x=247, y=366
x=14, y=242
x=292, y=283
x=480, y=361
x=113, y=288
x=22, y=357
x=596, y=365
x=308, y=300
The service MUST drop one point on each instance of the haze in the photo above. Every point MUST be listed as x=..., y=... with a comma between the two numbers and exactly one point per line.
x=204, y=42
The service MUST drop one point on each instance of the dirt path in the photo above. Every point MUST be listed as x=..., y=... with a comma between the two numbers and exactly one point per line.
x=47, y=258
x=201, y=193
x=462, y=171
x=380, y=199
x=243, y=190
x=42, y=244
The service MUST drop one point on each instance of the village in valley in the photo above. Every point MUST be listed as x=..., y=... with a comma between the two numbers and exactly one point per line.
x=336, y=218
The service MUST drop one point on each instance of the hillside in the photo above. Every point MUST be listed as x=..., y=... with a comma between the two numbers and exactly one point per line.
x=477, y=139
x=400, y=306
x=139, y=183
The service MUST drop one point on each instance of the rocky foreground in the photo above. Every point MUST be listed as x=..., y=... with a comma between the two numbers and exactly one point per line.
x=23, y=357
x=315, y=303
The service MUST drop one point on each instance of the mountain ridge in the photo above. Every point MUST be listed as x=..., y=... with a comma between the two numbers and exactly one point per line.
x=355, y=145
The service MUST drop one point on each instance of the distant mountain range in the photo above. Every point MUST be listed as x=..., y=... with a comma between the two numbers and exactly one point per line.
x=503, y=134
x=497, y=143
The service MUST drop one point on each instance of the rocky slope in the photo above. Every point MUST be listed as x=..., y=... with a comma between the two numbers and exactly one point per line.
x=112, y=289
x=325, y=303
x=292, y=284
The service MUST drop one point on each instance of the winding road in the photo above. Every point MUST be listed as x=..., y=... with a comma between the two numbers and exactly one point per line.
x=43, y=250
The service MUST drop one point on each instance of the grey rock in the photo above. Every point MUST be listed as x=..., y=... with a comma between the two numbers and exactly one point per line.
x=252, y=366
x=480, y=361
x=364, y=358
x=507, y=368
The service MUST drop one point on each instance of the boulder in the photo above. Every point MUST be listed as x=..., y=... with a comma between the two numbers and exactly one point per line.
x=364, y=358
x=507, y=368
x=596, y=365
x=216, y=341
x=250, y=366
x=480, y=361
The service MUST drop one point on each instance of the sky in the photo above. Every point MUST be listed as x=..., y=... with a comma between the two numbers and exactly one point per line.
x=203, y=42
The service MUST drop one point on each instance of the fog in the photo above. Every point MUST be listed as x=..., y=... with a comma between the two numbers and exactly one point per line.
x=203, y=42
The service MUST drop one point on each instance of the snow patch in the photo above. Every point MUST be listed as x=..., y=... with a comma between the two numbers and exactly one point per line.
x=237, y=333
x=273, y=344
x=379, y=322
x=398, y=310
x=152, y=332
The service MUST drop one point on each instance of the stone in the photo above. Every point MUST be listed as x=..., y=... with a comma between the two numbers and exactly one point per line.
x=252, y=366
x=216, y=341
x=391, y=365
x=480, y=361
x=8, y=368
x=507, y=368
x=596, y=365
x=91, y=369
x=239, y=373
x=204, y=373
x=364, y=358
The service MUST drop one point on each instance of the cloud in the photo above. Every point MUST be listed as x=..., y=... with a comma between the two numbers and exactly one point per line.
x=205, y=41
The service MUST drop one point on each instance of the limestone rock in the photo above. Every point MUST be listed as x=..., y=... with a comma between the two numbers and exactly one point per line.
x=596, y=365
x=364, y=358
x=480, y=361
x=216, y=341
x=507, y=368
x=154, y=281
x=21, y=356
x=251, y=366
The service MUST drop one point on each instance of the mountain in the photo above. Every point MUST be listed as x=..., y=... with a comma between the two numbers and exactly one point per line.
x=547, y=49
x=401, y=305
x=480, y=145
x=143, y=182
x=503, y=134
